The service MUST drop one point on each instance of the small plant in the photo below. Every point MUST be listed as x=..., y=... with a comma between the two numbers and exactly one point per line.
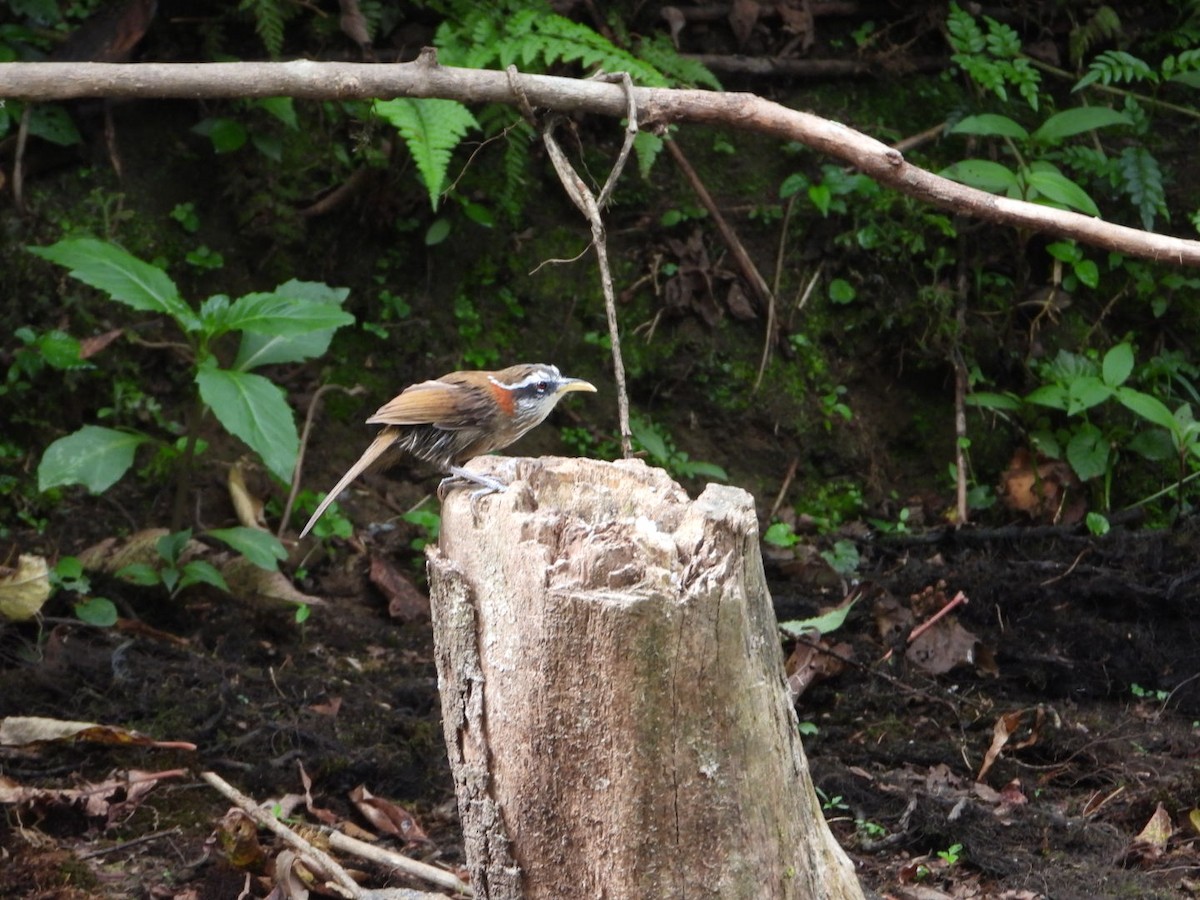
x=870, y=830
x=68, y=575
x=1146, y=694
x=832, y=804
x=808, y=729
x=294, y=322
x=951, y=855
x=172, y=572
x=429, y=522
x=658, y=444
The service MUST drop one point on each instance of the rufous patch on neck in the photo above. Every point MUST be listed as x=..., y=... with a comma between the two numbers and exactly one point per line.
x=506, y=398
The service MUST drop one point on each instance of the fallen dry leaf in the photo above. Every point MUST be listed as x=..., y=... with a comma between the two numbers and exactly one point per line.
x=24, y=589
x=26, y=731
x=388, y=817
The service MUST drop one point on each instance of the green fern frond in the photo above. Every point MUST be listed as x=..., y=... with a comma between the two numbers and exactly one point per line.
x=270, y=16
x=432, y=129
x=661, y=53
x=1142, y=181
x=1115, y=66
x=1103, y=25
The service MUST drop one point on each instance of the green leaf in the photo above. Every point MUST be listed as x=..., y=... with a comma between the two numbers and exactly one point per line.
x=200, y=572
x=260, y=547
x=983, y=174
x=1085, y=392
x=438, y=231
x=1149, y=408
x=1075, y=121
x=51, y=123
x=140, y=573
x=93, y=456
x=282, y=108
x=255, y=410
x=991, y=125
x=97, y=611
x=265, y=349
x=826, y=623
x=1051, y=395
x=649, y=439
x=1088, y=452
x=285, y=316
x=780, y=534
x=226, y=135
x=122, y=276
x=702, y=469
x=647, y=145
x=1118, y=365
x=1097, y=524
x=432, y=129
x=171, y=546
x=1061, y=191
x=841, y=291
x=1153, y=444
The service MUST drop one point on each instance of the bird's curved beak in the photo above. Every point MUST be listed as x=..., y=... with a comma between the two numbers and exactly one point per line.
x=575, y=384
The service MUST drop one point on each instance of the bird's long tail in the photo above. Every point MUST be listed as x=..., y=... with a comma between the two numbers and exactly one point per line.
x=382, y=443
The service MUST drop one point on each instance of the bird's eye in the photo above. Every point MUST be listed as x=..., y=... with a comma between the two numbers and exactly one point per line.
x=542, y=387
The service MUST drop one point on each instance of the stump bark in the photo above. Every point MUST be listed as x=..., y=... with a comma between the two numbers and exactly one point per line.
x=613, y=693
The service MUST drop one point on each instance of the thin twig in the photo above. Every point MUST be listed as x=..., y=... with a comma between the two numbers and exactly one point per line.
x=783, y=488
x=586, y=203
x=385, y=857
x=769, y=337
x=308, y=421
x=265, y=820
x=728, y=235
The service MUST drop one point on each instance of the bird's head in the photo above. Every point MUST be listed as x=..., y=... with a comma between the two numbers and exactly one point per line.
x=530, y=391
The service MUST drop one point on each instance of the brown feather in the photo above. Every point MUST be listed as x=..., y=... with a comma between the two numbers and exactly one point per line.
x=382, y=443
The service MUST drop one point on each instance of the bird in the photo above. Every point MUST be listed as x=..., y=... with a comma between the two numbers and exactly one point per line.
x=454, y=418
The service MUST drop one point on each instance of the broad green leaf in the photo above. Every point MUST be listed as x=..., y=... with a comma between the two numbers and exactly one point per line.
x=1085, y=392
x=1075, y=121
x=122, y=276
x=1153, y=444
x=266, y=349
x=991, y=125
x=431, y=128
x=93, y=456
x=652, y=442
x=1061, y=190
x=707, y=470
x=1087, y=272
x=260, y=547
x=171, y=546
x=226, y=135
x=1097, y=524
x=200, y=572
x=1118, y=365
x=59, y=350
x=1149, y=408
x=1051, y=395
x=277, y=314
x=990, y=400
x=983, y=174
x=140, y=573
x=97, y=611
x=255, y=410
x=826, y=624
x=51, y=122
x=282, y=108
x=1087, y=452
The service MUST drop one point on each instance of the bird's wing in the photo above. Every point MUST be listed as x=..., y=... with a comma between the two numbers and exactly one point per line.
x=383, y=441
x=428, y=403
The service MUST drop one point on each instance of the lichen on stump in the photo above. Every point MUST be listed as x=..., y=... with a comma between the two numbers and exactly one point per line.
x=613, y=692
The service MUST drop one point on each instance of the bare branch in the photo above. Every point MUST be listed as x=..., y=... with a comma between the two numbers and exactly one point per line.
x=655, y=106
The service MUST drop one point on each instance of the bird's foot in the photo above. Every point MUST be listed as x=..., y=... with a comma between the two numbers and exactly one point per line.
x=461, y=478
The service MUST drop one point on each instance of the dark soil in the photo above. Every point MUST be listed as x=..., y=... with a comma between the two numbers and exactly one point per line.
x=1068, y=628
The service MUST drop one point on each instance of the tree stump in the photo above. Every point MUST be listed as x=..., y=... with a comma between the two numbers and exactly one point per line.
x=613, y=693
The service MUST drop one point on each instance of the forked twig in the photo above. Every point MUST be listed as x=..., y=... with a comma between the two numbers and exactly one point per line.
x=588, y=204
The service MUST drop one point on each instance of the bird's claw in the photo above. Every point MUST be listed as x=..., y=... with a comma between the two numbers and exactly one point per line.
x=461, y=478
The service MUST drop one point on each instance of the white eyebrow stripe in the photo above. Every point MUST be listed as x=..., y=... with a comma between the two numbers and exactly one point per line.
x=539, y=375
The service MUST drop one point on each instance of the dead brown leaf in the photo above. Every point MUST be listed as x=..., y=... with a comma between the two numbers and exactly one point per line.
x=388, y=817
